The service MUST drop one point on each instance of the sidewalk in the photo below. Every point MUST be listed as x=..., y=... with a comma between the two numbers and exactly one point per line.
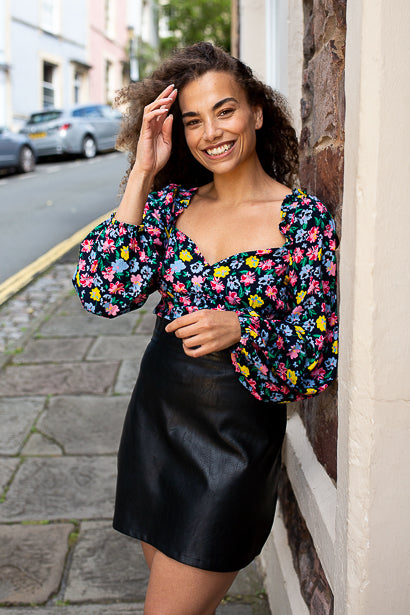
x=64, y=388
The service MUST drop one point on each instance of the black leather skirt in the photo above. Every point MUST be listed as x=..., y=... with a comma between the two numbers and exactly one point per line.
x=199, y=459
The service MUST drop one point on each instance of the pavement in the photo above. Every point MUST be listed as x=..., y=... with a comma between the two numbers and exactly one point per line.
x=65, y=381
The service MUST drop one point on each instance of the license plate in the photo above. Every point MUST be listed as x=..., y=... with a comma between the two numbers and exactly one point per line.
x=37, y=135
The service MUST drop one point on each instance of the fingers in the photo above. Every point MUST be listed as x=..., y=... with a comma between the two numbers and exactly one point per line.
x=167, y=129
x=163, y=101
x=182, y=321
x=156, y=112
x=206, y=331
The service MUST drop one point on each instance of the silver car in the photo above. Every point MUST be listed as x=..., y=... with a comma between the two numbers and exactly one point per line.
x=16, y=152
x=84, y=129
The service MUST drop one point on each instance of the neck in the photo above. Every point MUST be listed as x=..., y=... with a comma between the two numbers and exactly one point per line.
x=243, y=183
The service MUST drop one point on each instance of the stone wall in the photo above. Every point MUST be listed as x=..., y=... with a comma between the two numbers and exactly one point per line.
x=321, y=167
x=321, y=173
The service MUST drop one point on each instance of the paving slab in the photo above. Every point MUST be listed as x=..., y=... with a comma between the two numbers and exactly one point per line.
x=7, y=468
x=106, y=566
x=39, y=445
x=31, y=561
x=84, y=609
x=87, y=325
x=90, y=424
x=54, y=351
x=234, y=609
x=61, y=488
x=147, y=322
x=248, y=582
x=108, y=348
x=58, y=379
x=16, y=419
x=127, y=377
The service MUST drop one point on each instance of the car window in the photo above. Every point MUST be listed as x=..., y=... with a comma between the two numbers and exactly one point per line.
x=111, y=114
x=87, y=112
x=37, y=118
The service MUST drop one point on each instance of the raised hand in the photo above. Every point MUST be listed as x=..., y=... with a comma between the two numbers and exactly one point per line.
x=153, y=151
x=206, y=331
x=154, y=145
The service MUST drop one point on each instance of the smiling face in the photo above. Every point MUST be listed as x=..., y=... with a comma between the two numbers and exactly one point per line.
x=219, y=123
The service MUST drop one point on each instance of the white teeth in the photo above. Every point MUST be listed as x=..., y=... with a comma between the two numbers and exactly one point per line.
x=219, y=150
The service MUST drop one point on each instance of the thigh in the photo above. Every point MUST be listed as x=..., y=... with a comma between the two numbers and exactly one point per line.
x=176, y=588
x=149, y=552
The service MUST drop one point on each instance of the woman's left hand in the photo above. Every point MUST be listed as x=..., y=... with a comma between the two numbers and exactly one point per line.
x=206, y=331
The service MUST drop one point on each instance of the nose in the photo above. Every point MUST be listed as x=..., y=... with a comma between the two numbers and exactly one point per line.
x=211, y=130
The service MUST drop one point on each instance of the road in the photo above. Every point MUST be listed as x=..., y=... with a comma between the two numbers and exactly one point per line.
x=39, y=210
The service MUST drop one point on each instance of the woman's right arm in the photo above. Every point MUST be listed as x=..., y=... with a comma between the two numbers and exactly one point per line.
x=153, y=152
x=119, y=259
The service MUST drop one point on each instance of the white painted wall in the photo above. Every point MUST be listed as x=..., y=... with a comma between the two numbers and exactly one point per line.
x=373, y=521
x=252, y=16
x=271, y=42
x=5, y=115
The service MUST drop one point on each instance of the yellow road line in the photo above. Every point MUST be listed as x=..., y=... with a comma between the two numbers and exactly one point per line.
x=19, y=280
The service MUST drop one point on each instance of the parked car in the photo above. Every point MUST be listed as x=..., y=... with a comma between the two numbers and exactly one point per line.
x=83, y=129
x=16, y=152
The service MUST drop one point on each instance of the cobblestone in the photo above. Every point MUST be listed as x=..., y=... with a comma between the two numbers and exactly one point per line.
x=21, y=311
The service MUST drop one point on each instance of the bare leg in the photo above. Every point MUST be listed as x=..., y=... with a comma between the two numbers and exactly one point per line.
x=149, y=552
x=176, y=589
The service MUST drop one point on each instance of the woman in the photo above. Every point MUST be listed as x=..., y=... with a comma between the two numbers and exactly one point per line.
x=245, y=267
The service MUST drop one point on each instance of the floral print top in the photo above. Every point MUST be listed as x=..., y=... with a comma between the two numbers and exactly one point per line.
x=285, y=297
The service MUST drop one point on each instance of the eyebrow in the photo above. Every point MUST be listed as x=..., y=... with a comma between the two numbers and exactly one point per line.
x=214, y=108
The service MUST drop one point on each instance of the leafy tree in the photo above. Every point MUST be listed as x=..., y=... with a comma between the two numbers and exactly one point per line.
x=191, y=21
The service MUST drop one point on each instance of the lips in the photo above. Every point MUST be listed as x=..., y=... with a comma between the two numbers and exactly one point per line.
x=219, y=150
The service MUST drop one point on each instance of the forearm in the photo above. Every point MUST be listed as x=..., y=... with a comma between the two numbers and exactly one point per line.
x=135, y=196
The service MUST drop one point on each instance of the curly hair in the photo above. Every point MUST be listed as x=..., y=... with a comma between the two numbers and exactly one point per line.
x=276, y=141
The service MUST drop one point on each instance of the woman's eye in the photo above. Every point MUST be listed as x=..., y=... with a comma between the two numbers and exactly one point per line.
x=191, y=123
x=225, y=112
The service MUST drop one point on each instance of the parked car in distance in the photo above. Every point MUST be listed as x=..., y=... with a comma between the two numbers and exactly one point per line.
x=83, y=129
x=16, y=152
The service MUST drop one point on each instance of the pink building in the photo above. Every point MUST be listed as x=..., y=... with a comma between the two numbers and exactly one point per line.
x=107, y=52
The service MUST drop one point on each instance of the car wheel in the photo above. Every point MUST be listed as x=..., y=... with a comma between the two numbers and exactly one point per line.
x=27, y=160
x=89, y=148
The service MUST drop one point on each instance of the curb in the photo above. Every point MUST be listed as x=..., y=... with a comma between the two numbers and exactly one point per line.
x=19, y=280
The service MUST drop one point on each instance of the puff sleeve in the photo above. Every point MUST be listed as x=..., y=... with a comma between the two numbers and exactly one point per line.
x=295, y=356
x=118, y=263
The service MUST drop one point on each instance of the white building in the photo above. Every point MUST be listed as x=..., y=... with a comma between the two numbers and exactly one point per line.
x=47, y=51
x=46, y=47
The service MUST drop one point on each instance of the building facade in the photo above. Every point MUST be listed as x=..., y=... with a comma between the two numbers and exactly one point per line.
x=108, y=57
x=340, y=540
x=56, y=53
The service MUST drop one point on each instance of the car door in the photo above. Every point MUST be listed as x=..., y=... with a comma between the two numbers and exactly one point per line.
x=8, y=148
x=101, y=126
x=113, y=120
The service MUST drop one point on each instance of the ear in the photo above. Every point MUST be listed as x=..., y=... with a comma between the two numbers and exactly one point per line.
x=258, y=115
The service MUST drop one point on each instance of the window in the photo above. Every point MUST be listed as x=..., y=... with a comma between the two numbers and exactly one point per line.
x=92, y=111
x=78, y=81
x=38, y=118
x=277, y=44
x=108, y=80
x=50, y=15
x=110, y=18
x=49, y=76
